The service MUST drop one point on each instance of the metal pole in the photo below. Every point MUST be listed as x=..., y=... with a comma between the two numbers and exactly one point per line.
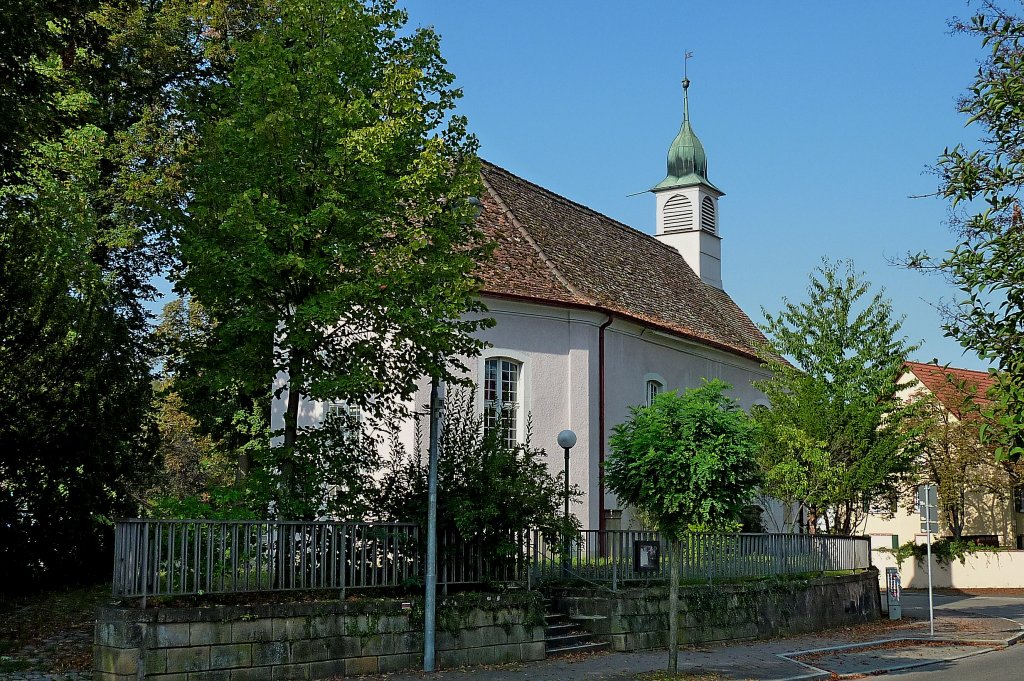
x=429, y=600
x=565, y=518
x=928, y=523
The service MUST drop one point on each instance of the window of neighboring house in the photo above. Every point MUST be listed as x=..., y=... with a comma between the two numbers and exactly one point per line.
x=502, y=398
x=1018, y=498
x=654, y=388
x=351, y=415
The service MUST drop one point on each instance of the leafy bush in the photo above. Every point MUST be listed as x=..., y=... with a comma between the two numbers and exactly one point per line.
x=487, y=491
x=945, y=550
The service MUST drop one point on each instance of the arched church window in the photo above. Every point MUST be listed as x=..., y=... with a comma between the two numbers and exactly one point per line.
x=654, y=388
x=678, y=214
x=502, y=398
x=707, y=215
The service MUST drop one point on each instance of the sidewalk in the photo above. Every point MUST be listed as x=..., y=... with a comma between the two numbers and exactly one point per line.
x=872, y=648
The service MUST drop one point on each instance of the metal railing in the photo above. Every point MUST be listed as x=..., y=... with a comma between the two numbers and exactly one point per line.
x=188, y=557
x=608, y=556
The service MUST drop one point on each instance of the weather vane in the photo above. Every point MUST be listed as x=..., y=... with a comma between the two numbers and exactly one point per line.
x=687, y=55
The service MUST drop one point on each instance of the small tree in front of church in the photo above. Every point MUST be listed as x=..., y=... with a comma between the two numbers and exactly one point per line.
x=687, y=462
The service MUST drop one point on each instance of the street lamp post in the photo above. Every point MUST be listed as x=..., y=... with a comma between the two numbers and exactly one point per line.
x=566, y=440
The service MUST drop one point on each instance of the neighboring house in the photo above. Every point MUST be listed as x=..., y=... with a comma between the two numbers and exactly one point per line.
x=993, y=506
x=593, y=316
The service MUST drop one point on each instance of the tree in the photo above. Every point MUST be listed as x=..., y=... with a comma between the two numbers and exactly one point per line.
x=84, y=171
x=832, y=437
x=982, y=186
x=329, y=227
x=687, y=461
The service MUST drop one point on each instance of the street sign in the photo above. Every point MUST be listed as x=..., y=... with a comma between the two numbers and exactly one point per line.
x=927, y=505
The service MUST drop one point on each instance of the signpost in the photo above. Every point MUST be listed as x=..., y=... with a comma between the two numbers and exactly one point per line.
x=927, y=504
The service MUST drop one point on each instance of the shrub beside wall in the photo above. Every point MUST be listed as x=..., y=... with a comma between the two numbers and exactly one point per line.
x=637, y=619
x=310, y=640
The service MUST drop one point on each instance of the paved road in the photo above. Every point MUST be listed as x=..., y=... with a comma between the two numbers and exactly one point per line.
x=999, y=665
x=916, y=604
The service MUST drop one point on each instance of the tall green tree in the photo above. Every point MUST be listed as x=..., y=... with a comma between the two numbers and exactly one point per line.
x=329, y=227
x=832, y=437
x=83, y=181
x=687, y=462
x=983, y=185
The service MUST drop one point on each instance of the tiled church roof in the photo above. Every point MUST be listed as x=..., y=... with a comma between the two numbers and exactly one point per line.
x=951, y=385
x=553, y=250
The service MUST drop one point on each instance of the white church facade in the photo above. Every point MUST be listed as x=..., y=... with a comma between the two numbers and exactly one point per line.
x=593, y=316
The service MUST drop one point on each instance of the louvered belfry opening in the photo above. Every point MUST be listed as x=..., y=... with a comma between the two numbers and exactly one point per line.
x=707, y=215
x=678, y=214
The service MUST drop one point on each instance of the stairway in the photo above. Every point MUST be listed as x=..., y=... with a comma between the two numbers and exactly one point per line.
x=565, y=635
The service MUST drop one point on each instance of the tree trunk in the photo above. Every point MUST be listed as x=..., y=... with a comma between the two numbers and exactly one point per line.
x=812, y=520
x=674, y=554
x=291, y=423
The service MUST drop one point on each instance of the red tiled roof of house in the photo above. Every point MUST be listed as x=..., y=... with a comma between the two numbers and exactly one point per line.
x=553, y=250
x=952, y=386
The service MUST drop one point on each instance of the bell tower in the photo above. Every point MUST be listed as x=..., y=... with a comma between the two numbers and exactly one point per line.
x=687, y=203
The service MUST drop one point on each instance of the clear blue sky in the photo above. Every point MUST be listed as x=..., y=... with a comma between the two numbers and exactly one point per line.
x=819, y=120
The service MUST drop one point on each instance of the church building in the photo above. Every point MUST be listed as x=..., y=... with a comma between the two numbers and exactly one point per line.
x=593, y=316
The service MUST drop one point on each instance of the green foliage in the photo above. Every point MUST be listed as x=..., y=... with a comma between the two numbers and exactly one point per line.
x=77, y=433
x=982, y=186
x=945, y=550
x=832, y=438
x=84, y=173
x=329, y=233
x=486, y=490
x=687, y=460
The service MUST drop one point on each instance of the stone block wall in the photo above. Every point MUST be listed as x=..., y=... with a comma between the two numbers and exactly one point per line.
x=299, y=641
x=637, y=619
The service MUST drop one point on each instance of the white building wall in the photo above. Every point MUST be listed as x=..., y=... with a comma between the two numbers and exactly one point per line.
x=558, y=348
x=633, y=352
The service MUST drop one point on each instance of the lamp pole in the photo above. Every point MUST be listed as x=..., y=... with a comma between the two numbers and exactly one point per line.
x=430, y=597
x=566, y=440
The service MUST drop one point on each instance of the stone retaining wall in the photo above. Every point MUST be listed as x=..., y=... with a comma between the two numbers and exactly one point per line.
x=299, y=641
x=637, y=619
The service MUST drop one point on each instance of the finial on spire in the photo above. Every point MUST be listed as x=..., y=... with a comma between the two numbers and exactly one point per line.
x=687, y=55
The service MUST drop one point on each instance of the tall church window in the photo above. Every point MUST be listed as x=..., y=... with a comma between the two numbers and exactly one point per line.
x=707, y=215
x=654, y=388
x=502, y=398
x=348, y=416
x=678, y=214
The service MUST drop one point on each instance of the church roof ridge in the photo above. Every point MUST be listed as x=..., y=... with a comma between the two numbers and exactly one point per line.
x=555, y=251
x=577, y=205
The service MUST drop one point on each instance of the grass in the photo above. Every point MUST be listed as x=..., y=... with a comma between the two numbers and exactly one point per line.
x=54, y=628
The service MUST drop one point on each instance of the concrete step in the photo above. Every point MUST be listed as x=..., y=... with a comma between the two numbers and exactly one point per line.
x=559, y=629
x=591, y=647
x=564, y=640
